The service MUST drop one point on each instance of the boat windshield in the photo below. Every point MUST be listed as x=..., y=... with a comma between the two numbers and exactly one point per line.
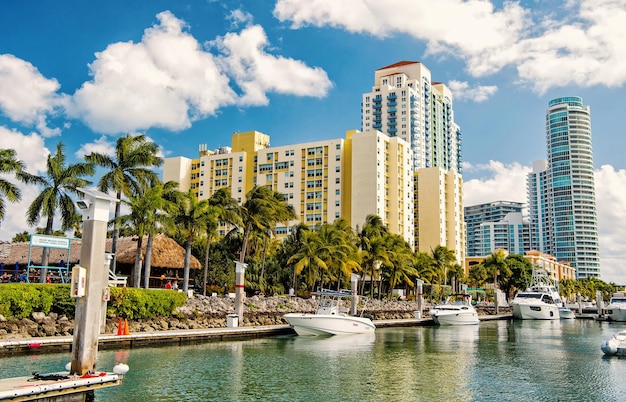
x=529, y=295
x=618, y=300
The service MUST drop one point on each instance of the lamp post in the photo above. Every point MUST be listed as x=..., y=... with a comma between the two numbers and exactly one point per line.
x=96, y=207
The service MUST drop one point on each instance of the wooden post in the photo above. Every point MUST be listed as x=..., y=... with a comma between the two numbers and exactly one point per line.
x=240, y=270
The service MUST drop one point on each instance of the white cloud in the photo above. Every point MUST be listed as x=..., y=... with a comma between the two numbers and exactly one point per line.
x=26, y=96
x=500, y=182
x=239, y=18
x=31, y=150
x=582, y=42
x=461, y=90
x=165, y=81
x=257, y=72
x=169, y=80
x=101, y=146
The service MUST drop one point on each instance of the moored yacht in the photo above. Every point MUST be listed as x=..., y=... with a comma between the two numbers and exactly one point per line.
x=457, y=310
x=330, y=318
x=616, y=309
x=540, y=301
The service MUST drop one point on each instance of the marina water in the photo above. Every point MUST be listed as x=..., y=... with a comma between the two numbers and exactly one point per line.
x=493, y=361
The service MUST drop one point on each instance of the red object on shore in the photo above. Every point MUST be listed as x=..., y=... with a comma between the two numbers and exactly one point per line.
x=120, y=327
x=34, y=345
x=126, y=329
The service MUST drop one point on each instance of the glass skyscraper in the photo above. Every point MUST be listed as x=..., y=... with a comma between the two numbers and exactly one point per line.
x=565, y=206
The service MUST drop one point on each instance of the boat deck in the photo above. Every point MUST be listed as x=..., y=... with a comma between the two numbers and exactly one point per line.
x=28, y=389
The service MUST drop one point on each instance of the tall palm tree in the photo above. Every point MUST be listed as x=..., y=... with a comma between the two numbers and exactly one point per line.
x=128, y=170
x=9, y=164
x=496, y=264
x=190, y=218
x=148, y=209
x=263, y=209
x=224, y=209
x=59, y=182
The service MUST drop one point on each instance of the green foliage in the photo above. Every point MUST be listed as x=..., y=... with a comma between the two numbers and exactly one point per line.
x=133, y=303
x=20, y=300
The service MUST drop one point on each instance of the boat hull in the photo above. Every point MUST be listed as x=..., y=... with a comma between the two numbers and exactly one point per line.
x=455, y=317
x=319, y=324
x=523, y=311
x=616, y=346
x=566, y=313
x=616, y=313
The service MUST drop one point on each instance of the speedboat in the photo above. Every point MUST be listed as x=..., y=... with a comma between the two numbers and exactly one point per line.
x=540, y=301
x=616, y=309
x=616, y=346
x=457, y=310
x=330, y=318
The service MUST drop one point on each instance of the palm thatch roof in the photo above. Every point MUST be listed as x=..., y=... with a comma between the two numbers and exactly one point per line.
x=166, y=253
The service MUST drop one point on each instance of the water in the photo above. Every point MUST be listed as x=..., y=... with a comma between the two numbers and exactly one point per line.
x=494, y=361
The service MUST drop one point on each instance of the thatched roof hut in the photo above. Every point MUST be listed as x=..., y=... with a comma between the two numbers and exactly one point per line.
x=166, y=253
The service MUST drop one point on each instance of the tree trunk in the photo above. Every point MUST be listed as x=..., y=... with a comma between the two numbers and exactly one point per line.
x=148, y=262
x=137, y=267
x=116, y=230
x=187, y=263
x=206, y=264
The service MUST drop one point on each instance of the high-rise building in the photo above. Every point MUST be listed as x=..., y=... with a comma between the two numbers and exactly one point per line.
x=564, y=194
x=537, y=194
x=405, y=103
x=481, y=235
x=367, y=173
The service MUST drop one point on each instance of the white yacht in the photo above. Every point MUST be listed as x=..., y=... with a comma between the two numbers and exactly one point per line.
x=457, y=310
x=331, y=318
x=616, y=309
x=540, y=301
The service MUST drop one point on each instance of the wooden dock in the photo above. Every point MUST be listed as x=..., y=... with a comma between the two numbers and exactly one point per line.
x=73, y=388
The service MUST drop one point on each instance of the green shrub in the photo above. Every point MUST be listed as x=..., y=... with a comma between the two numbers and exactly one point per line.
x=133, y=303
x=20, y=300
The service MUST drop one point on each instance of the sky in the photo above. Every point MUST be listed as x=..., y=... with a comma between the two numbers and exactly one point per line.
x=192, y=72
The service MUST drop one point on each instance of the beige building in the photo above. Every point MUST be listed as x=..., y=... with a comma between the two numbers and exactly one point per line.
x=439, y=211
x=317, y=178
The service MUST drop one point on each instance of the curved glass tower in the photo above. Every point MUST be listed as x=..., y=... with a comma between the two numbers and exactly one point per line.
x=571, y=200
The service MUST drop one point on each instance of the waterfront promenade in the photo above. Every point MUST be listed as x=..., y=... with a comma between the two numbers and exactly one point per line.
x=184, y=336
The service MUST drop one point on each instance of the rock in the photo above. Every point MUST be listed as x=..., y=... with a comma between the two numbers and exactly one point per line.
x=38, y=316
x=2, y=319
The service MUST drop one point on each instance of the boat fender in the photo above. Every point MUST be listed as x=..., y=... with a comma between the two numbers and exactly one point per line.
x=609, y=347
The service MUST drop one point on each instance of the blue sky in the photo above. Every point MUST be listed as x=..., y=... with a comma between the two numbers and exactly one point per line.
x=192, y=72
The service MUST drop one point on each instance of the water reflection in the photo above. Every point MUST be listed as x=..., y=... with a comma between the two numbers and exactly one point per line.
x=494, y=361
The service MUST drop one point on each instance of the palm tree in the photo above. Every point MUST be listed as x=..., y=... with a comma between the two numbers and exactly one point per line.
x=60, y=181
x=9, y=164
x=128, y=170
x=307, y=257
x=263, y=209
x=373, y=252
x=149, y=209
x=443, y=259
x=496, y=264
x=190, y=217
x=401, y=258
x=224, y=209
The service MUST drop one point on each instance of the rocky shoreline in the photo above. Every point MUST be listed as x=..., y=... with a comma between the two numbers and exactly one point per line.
x=202, y=312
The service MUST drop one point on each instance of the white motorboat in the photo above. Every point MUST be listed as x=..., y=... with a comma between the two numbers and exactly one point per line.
x=616, y=346
x=331, y=318
x=457, y=310
x=540, y=301
x=616, y=309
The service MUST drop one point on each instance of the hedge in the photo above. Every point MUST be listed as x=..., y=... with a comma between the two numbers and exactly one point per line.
x=20, y=300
